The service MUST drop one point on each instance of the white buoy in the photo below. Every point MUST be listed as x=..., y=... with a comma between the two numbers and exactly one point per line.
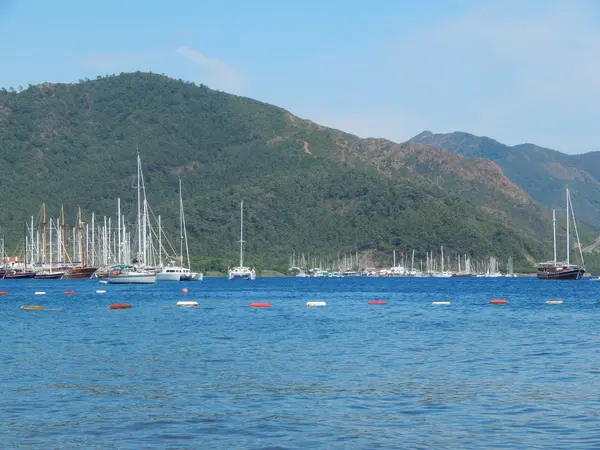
x=440, y=303
x=40, y=293
x=311, y=304
x=554, y=302
x=100, y=292
x=187, y=303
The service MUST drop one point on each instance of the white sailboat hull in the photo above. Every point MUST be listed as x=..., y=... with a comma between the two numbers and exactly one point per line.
x=132, y=278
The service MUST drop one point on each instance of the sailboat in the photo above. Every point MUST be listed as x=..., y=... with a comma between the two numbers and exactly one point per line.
x=16, y=274
x=47, y=273
x=81, y=271
x=180, y=273
x=125, y=273
x=241, y=271
x=555, y=270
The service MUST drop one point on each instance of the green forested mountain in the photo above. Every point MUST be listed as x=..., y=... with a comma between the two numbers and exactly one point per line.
x=306, y=188
x=543, y=173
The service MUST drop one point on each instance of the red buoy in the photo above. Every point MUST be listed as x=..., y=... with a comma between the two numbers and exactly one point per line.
x=498, y=302
x=260, y=305
x=4, y=293
x=69, y=292
x=377, y=302
x=120, y=306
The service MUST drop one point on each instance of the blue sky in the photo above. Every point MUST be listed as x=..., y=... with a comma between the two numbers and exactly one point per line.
x=517, y=71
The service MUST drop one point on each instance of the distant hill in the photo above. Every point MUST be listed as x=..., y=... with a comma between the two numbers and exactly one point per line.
x=541, y=172
x=306, y=188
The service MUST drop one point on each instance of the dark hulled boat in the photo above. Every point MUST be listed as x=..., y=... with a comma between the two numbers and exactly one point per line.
x=555, y=270
x=80, y=272
x=558, y=272
x=18, y=275
x=49, y=275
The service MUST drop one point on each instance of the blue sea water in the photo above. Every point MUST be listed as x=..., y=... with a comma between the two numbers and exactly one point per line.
x=408, y=374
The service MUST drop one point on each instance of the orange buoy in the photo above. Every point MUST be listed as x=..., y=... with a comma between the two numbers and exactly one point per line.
x=4, y=293
x=377, y=302
x=120, y=306
x=185, y=290
x=498, y=302
x=259, y=305
x=69, y=292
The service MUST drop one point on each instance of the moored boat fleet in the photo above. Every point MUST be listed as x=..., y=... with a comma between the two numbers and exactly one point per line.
x=94, y=250
x=447, y=268
x=432, y=266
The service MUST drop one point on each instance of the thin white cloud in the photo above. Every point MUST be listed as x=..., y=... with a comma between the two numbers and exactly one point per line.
x=217, y=73
x=512, y=71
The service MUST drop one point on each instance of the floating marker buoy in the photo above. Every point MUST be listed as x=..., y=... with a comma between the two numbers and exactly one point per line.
x=260, y=305
x=498, y=302
x=120, y=306
x=100, y=292
x=377, y=302
x=440, y=303
x=311, y=304
x=185, y=290
x=3, y=292
x=40, y=293
x=554, y=302
x=187, y=304
x=69, y=292
x=32, y=307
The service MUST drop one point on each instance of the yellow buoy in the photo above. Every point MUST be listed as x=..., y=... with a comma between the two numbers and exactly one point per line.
x=32, y=307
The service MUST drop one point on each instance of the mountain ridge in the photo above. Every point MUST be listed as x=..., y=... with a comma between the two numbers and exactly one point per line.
x=540, y=171
x=308, y=188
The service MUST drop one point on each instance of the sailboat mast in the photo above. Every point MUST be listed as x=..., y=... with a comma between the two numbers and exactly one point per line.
x=43, y=233
x=119, y=242
x=32, y=244
x=51, y=244
x=576, y=232
x=554, y=232
x=93, y=239
x=242, y=233
x=187, y=248
x=62, y=235
x=139, y=206
x=159, y=242
x=25, y=246
x=180, y=225
x=568, y=238
x=81, y=253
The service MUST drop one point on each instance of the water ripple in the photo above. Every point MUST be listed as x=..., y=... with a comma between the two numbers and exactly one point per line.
x=349, y=375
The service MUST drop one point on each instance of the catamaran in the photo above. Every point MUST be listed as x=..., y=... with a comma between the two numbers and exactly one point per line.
x=241, y=271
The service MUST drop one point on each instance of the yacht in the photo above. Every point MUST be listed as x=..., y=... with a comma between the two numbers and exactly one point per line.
x=241, y=271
